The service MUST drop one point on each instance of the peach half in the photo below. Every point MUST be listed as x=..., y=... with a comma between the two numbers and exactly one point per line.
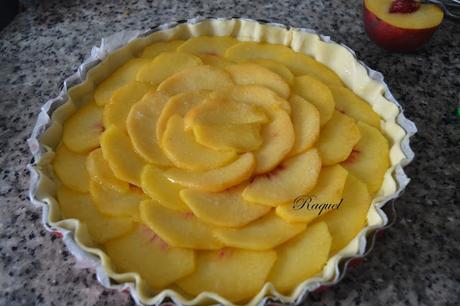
x=401, y=25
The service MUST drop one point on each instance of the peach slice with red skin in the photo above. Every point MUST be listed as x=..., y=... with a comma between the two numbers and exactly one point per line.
x=369, y=159
x=348, y=103
x=225, y=208
x=143, y=252
x=338, y=137
x=218, y=179
x=296, y=176
x=394, y=27
x=179, y=229
x=262, y=234
x=241, y=273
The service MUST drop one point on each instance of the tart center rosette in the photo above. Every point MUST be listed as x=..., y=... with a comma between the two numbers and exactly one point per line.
x=187, y=165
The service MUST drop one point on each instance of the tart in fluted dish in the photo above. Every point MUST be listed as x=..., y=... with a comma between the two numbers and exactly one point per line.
x=223, y=160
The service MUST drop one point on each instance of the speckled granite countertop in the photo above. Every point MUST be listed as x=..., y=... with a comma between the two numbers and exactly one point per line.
x=416, y=262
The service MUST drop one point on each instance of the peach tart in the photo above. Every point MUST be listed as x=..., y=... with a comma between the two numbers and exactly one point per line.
x=221, y=164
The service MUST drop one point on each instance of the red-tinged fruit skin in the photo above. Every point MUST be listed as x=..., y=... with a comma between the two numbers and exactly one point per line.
x=394, y=38
x=404, y=6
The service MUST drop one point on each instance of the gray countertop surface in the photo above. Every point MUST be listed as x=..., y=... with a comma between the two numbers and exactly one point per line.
x=416, y=262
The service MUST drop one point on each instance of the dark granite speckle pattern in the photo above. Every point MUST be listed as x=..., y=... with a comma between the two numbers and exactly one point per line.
x=416, y=262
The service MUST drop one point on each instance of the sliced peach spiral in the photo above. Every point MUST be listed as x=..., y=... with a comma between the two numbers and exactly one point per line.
x=191, y=159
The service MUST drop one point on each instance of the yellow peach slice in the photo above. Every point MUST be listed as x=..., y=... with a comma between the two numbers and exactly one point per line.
x=317, y=93
x=165, y=46
x=118, y=151
x=143, y=252
x=296, y=176
x=141, y=125
x=215, y=61
x=298, y=63
x=369, y=159
x=196, y=78
x=82, y=130
x=301, y=258
x=208, y=45
x=165, y=65
x=179, y=104
x=216, y=179
x=263, y=234
x=234, y=137
x=240, y=273
x=328, y=190
x=120, y=77
x=179, y=229
x=117, y=204
x=301, y=64
x=275, y=67
x=338, y=137
x=253, y=74
x=245, y=51
x=70, y=169
x=159, y=188
x=305, y=121
x=349, y=103
x=77, y=205
x=214, y=111
x=225, y=208
x=99, y=171
x=346, y=222
x=278, y=139
x=117, y=110
x=184, y=152
x=253, y=95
